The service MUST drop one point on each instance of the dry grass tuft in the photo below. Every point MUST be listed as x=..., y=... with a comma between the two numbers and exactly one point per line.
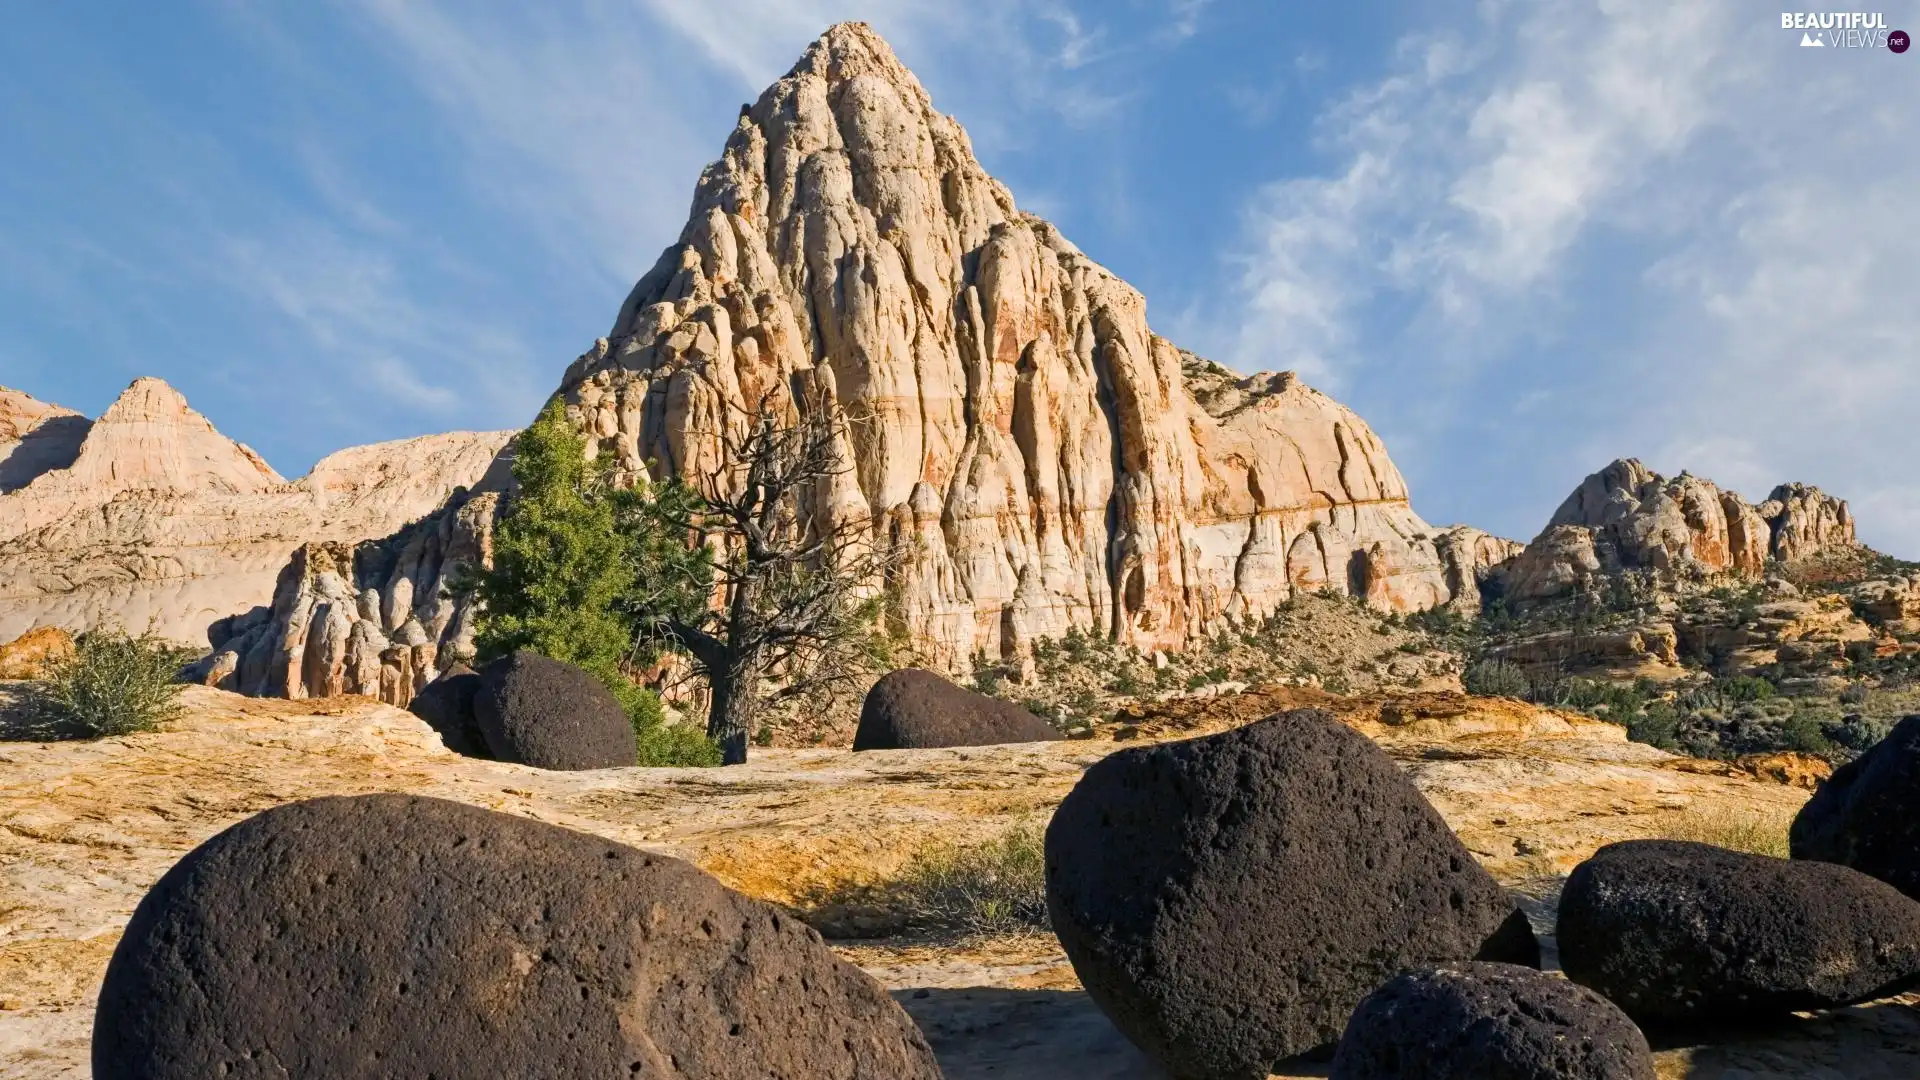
x=1754, y=831
x=984, y=889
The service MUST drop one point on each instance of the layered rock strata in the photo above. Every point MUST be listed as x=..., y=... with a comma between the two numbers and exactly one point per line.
x=149, y=518
x=1627, y=517
x=1042, y=458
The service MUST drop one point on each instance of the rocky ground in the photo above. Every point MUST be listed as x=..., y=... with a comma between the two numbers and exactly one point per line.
x=86, y=827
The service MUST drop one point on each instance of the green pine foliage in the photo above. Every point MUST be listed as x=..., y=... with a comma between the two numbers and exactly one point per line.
x=575, y=557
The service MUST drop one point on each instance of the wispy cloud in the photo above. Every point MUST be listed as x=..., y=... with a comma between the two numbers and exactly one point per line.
x=1666, y=220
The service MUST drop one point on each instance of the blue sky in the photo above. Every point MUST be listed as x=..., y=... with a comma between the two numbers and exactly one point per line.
x=1520, y=238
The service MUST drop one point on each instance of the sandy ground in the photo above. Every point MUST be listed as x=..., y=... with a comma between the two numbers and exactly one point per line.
x=86, y=827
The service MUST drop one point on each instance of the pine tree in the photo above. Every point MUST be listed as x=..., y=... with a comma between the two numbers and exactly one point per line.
x=576, y=559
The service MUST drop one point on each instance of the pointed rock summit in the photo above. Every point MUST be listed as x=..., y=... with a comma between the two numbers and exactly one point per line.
x=148, y=517
x=1052, y=460
x=150, y=440
x=1043, y=457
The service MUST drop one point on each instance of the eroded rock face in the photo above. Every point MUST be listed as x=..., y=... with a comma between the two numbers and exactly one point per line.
x=1484, y=1021
x=390, y=935
x=381, y=617
x=1627, y=517
x=912, y=709
x=1229, y=899
x=1678, y=931
x=150, y=518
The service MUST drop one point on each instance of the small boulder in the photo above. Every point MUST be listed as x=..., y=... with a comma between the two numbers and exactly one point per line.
x=1228, y=900
x=27, y=656
x=391, y=935
x=1489, y=1022
x=1677, y=931
x=1867, y=814
x=551, y=715
x=446, y=704
x=911, y=709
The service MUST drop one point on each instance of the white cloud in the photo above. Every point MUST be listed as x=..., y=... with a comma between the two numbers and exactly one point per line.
x=1665, y=220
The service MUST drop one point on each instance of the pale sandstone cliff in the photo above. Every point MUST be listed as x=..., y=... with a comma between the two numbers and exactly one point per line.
x=1627, y=517
x=1044, y=458
x=149, y=517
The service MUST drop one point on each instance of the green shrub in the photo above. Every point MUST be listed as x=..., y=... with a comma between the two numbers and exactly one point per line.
x=1496, y=678
x=569, y=557
x=111, y=684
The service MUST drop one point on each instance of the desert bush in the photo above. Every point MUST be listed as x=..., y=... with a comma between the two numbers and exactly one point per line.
x=1496, y=678
x=111, y=684
x=1755, y=831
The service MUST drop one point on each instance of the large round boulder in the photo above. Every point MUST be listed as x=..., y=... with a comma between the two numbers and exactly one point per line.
x=1675, y=931
x=446, y=704
x=388, y=935
x=1867, y=814
x=1228, y=900
x=1489, y=1022
x=911, y=709
x=551, y=715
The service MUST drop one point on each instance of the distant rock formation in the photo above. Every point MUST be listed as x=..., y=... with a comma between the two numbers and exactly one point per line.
x=1627, y=517
x=1046, y=460
x=150, y=518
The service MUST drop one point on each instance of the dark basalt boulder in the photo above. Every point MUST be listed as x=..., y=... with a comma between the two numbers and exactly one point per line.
x=1867, y=814
x=551, y=715
x=1674, y=931
x=446, y=704
x=1489, y=1022
x=911, y=709
x=389, y=935
x=1228, y=900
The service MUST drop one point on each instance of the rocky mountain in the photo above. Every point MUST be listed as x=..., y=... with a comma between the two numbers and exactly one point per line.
x=1014, y=424
x=1627, y=517
x=148, y=516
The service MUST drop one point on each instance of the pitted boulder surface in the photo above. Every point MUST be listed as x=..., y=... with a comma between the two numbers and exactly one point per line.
x=1675, y=931
x=389, y=935
x=911, y=709
x=551, y=715
x=1228, y=900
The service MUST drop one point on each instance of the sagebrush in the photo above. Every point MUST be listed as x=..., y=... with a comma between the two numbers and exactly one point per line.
x=111, y=684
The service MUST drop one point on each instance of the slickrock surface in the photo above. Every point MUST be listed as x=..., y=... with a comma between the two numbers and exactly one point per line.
x=1048, y=460
x=86, y=828
x=1628, y=517
x=149, y=517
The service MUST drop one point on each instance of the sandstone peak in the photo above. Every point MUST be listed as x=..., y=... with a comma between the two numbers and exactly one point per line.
x=1045, y=460
x=149, y=517
x=1628, y=517
x=149, y=439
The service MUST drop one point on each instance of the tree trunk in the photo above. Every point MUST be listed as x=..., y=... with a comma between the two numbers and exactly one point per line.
x=736, y=701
